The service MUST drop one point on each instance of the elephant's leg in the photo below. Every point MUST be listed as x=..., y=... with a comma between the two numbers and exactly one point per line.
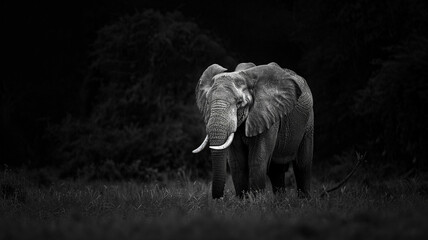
x=239, y=166
x=277, y=176
x=261, y=148
x=303, y=164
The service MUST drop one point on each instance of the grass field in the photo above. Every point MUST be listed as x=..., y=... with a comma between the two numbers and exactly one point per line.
x=394, y=209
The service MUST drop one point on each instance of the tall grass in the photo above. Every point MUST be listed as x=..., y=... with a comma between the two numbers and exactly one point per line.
x=184, y=209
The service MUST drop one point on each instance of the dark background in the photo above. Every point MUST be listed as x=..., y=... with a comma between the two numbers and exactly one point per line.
x=106, y=89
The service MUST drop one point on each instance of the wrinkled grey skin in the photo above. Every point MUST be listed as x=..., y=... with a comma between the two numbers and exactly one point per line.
x=270, y=111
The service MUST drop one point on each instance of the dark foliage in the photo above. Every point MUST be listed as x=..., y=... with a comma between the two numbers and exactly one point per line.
x=393, y=105
x=142, y=120
x=127, y=108
x=366, y=62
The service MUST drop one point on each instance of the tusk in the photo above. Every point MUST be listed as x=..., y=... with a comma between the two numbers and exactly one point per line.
x=203, y=145
x=225, y=145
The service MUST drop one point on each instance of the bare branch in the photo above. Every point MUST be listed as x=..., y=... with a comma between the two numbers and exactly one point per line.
x=360, y=158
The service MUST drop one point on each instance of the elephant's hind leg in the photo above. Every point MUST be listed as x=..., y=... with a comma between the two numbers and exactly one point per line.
x=303, y=164
x=276, y=175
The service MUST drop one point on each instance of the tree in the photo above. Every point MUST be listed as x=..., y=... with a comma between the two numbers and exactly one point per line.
x=139, y=94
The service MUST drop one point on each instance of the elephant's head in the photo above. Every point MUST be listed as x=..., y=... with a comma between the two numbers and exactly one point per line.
x=257, y=96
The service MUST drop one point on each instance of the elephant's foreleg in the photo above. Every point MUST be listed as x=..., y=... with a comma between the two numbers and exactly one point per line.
x=303, y=164
x=239, y=167
x=277, y=176
x=257, y=175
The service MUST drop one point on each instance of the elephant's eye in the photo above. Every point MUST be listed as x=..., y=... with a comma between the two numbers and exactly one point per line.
x=239, y=102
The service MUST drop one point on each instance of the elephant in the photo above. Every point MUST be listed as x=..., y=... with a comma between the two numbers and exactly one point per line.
x=259, y=119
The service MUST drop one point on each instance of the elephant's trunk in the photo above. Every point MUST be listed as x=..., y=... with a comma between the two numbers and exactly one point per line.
x=217, y=136
x=218, y=158
x=218, y=130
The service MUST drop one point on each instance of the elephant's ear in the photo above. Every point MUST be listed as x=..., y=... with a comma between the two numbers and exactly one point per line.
x=243, y=66
x=275, y=93
x=204, y=85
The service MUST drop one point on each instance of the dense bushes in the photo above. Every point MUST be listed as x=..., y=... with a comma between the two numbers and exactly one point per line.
x=141, y=118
